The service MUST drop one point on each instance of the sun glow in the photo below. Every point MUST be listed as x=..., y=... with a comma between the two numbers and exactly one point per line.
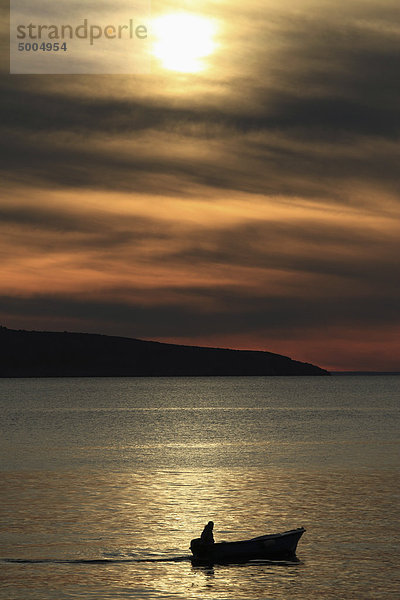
x=183, y=41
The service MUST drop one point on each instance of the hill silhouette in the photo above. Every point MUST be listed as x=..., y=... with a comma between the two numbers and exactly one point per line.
x=63, y=354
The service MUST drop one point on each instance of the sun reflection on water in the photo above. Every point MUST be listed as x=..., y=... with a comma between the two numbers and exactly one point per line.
x=145, y=514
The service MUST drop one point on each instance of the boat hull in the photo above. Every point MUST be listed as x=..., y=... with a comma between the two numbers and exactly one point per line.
x=279, y=546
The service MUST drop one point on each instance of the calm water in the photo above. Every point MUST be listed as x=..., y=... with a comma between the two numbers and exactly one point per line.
x=105, y=481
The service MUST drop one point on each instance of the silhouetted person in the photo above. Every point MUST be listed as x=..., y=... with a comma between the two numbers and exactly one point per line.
x=207, y=537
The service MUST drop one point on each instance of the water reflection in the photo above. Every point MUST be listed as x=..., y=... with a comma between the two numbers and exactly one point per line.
x=123, y=517
x=110, y=496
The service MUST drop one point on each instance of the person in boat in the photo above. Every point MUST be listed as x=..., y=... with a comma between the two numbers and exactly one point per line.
x=207, y=537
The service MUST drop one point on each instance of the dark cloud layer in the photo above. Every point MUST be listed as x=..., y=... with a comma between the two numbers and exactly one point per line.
x=239, y=313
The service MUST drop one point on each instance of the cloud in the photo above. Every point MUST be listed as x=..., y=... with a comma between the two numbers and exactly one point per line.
x=319, y=106
x=238, y=314
x=257, y=199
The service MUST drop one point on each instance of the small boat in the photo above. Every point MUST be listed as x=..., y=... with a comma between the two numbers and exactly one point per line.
x=276, y=546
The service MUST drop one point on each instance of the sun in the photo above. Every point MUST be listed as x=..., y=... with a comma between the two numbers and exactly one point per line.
x=183, y=41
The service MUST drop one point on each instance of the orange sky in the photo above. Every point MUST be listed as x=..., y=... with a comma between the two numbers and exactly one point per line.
x=250, y=204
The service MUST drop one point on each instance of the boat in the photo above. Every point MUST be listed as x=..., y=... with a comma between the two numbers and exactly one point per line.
x=275, y=546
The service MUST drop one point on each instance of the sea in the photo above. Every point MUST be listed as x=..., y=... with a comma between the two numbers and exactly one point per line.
x=104, y=482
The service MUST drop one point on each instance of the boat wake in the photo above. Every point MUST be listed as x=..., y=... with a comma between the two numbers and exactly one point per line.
x=92, y=561
x=122, y=561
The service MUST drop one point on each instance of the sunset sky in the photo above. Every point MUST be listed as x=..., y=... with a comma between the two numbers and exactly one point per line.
x=243, y=194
